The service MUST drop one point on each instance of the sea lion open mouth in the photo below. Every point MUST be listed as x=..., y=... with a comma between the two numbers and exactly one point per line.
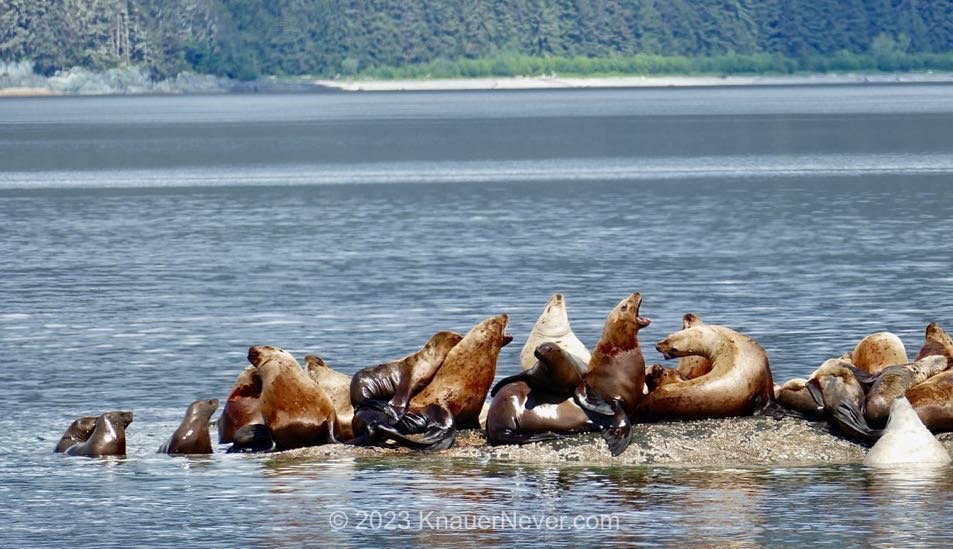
x=507, y=339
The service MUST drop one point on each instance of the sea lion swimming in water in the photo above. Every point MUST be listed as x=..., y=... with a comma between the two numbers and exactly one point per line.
x=894, y=381
x=107, y=439
x=905, y=440
x=192, y=435
x=294, y=407
x=557, y=371
x=81, y=428
x=553, y=326
x=738, y=384
x=338, y=388
x=243, y=406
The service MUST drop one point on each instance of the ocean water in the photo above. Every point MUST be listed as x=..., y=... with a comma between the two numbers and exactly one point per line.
x=149, y=241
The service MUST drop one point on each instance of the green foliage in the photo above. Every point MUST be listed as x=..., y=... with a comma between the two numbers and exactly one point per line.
x=246, y=39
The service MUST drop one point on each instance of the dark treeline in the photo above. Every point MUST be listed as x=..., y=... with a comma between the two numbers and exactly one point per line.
x=249, y=38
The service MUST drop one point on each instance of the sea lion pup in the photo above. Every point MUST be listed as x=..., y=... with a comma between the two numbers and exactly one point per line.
x=293, y=406
x=905, y=440
x=82, y=427
x=738, y=384
x=835, y=384
x=693, y=366
x=557, y=371
x=936, y=342
x=657, y=375
x=254, y=438
x=877, y=351
x=894, y=381
x=243, y=406
x=553, y=325
x=192, y=435
x=338, y=388
x=613, y=385
x=795, y=395
x=933, y=401
x=107, y=439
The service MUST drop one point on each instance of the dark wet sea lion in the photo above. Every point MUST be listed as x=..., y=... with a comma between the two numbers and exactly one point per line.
x=192, y=435
x=936, y=342
x=692, y=366
x=796, y=396
x=81, y=428
x=557, y=371
x=107, y=439
x=243, y=406
x=338, y=388
x=844, y=397
x=893, y=382
x=254, y=438
x=520, y=415
x=877, y=351
x=553, y=326
x=738, y=384
x=294, y=407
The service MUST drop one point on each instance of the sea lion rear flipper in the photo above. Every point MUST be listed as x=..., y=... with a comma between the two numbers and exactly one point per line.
x=507, y=380
x=814, y=389
x=618, y=436
x=587, y=399
x=430, y=429
x=851, y=422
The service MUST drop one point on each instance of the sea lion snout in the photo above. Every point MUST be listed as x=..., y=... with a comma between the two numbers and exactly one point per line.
x=665, y=348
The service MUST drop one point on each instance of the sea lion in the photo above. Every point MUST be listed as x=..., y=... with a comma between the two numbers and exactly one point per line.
x=553, y=325
x=611, y=388
x=693, y=366
x=253, y=438
x=192, y=435
x=877, y=351
x=557, y=371
x=906, y=440
x=738, y=384
x=462, y=382
x=338, y=388
x=243, y=406
x=936, y=342
x=107, y=439
x=657, y=375
x=81, y=428
x=933, y=401
x=835, y=384
x=894, y=381
x=294, y=407
x=795, y=395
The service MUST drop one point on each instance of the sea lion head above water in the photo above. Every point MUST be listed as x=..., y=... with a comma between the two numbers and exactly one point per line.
x=80, y=430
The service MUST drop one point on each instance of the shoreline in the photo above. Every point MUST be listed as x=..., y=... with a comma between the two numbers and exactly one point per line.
x=597, y=82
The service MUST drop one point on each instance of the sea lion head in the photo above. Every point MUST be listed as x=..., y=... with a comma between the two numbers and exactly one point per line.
x=657, y=375
x=690, y=320
x=688, y=342
x=203, y=408
x=271, y=360
x=497, y=325
x=554, y=321
x=551, y=355
x=623, y=323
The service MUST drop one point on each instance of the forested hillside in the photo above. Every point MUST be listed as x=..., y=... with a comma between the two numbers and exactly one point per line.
x=249, y=38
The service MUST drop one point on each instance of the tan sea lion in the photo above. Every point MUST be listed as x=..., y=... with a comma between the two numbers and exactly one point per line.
x=557, y=371
x=293, y=406
x=933, y=401
x=82, y=427
x=243, y=406
x=657, y=375
x=612, y=386
x=893, y=382
x=906, y=440
x=877, y=351
x=338, y=388
x=107, y=439
x=693, y=366
x=738, y=384
x=192, y=435
x=835, y=384
x=553, y=325
x=795, y=395
x=936, y=342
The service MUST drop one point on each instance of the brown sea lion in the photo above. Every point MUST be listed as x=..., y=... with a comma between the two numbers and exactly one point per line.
x=557, y=371
x=338, y=388
x=192, y=435
x=657, y=375
x=836, y=385
x=81, y=428
x=738, y=384
x=612, y=386
x=933, y=401
x=795, y=395
x=693, y=366
x=293, y=406
x=243, y=406
x=107, y=439
x=893, y=382
x=877, y=351
x=462, y=382
x=553, y=326
x=936, y=342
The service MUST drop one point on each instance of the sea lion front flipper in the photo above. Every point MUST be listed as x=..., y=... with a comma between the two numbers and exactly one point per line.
x=522, y=376
x=814, y=389
x=851, y=422
x=587, y=399
x=618, y=436
x=252, y=438
x=430, y=429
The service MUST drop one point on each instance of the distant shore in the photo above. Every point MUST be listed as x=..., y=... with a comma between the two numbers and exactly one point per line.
x=559, y=82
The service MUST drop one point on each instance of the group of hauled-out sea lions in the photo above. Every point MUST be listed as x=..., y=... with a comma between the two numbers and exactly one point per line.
x=421, y=400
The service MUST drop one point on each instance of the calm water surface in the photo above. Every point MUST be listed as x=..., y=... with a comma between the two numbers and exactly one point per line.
x=148, y=241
